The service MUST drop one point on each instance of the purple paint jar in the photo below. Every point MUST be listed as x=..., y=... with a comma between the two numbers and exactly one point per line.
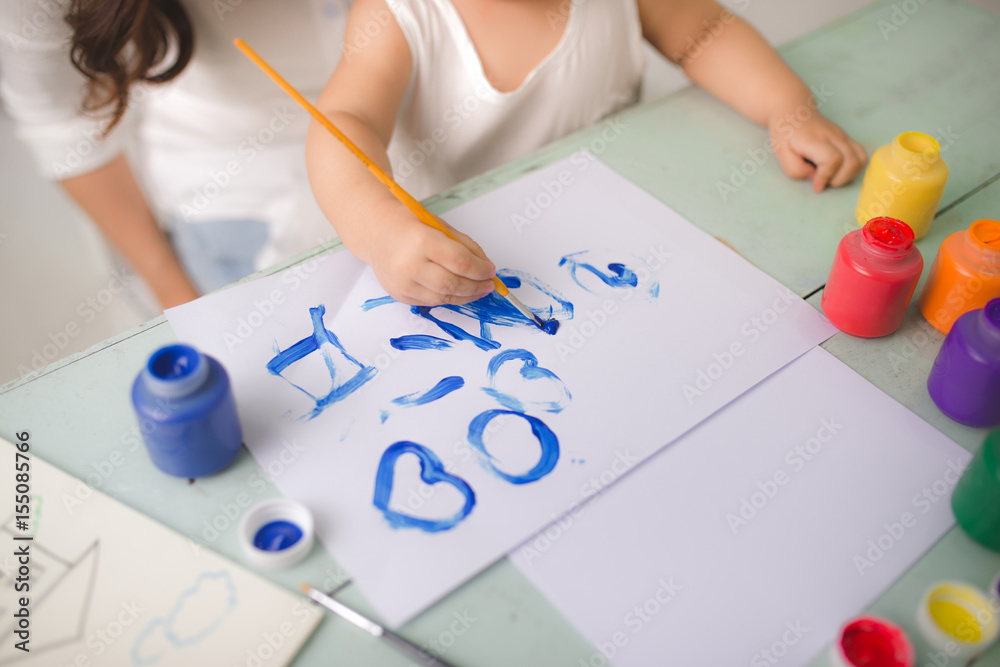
x=965, y=379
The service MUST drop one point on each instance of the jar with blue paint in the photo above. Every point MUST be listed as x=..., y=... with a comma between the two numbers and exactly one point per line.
x=187, y=412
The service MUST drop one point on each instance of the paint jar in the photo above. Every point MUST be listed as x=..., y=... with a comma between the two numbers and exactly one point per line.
x=958, y=619
x=187, y=412
x=869, y=641
x=965, y=379
x=873, y=277
x=904, y=180
x=964, y=276
x=976, y=498
x=276, y=533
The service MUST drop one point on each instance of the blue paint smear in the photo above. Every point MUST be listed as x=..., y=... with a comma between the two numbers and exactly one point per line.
x=440, y=390
x=166, y=623
x=383, y=415
x=375, y=303
x=530, y=370
x=494, y=310
x=616, y=275
x=431, y=472
x=547, y=441
x=322, y=340
x=419, y=342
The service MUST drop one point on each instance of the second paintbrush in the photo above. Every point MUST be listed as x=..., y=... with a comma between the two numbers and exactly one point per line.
x=402, y=195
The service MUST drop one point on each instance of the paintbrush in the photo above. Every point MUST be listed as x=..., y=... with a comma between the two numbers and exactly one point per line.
x=402, y=195
x=410, y=650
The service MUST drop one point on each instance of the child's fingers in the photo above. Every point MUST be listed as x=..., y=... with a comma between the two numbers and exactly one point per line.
x=849, y=167
x=416, y=294
x=792, y=163
x=828, y=161
x=455, y=258
x=473, y=247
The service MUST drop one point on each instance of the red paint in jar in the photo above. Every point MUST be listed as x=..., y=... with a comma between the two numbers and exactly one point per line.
x=873, y=642
x=874, y=274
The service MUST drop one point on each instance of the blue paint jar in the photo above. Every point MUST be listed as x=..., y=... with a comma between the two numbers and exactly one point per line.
x=187, y=412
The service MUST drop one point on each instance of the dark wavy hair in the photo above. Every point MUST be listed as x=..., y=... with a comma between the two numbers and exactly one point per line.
x=117, y=43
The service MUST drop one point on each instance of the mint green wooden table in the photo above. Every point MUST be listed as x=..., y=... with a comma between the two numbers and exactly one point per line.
x=937, y=73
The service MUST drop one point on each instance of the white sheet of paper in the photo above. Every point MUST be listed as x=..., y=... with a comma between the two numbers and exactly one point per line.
x=668, y=326
x=108, y=586
x=763, y=529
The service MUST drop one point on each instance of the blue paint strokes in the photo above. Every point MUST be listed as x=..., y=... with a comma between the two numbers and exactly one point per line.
x=375, y=303
x=550, y=327
x=494, y=310
x=431, y=472
x=440, y=390
x=213, y=595
x=547, y=442
x=530, y=371
x=339, y=363
x=614, y=274
x=383, y=415
x=419, y=342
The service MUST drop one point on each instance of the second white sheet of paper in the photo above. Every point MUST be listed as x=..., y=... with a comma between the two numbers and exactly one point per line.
x=668, y=326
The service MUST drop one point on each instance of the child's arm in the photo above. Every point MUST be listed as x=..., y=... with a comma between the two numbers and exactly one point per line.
x=725, y=56
x=416, y=264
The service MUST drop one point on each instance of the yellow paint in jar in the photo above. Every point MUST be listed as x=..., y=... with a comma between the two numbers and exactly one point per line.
x=904, y=180
x=956, y=621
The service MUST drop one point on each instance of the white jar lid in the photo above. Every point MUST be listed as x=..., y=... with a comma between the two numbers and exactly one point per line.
x=276, y=533
x=958, y=619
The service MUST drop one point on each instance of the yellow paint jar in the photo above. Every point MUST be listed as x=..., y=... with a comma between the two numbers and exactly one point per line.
x=904, y=180
x=957, y=618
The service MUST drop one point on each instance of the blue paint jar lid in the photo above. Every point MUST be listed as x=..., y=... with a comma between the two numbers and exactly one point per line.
x=174, y=371
x=276, y=533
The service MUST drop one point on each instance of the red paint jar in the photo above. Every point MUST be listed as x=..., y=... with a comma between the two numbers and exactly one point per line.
x=873, y=277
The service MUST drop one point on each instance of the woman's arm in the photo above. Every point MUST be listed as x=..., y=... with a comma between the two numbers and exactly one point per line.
x=113, y=200
x=724, y=55
x=415, y=264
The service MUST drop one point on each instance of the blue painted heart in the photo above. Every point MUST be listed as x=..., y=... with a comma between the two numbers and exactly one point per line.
x=530, y=372
x=431, y=472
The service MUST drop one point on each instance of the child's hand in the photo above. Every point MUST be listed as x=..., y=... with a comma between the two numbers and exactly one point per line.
x=419, y=266
x=836, y=158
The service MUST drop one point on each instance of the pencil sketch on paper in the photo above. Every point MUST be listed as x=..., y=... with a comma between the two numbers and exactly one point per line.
x=60, y=582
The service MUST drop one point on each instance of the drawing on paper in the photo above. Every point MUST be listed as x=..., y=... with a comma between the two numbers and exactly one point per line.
x=57, y=580
x=431, y=472
x=197, y=613
x=346, y=374
x=605, y=272
x=493, y=310
x=548, y=445
x=531, y=373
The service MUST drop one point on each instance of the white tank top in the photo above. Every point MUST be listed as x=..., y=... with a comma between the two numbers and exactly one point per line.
x=453, y=124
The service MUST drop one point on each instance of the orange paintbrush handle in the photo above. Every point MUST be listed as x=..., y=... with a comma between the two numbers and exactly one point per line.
x=399, y=193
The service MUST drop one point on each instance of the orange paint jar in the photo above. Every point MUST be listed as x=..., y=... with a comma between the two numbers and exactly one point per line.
x=904, y=180
x=964, y=276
